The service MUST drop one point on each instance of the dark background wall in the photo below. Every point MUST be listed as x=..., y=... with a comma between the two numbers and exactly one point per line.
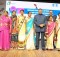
x=2, y=5
x=49, y=1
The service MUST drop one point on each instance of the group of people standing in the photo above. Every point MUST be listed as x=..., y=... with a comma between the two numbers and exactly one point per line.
x=21, y=32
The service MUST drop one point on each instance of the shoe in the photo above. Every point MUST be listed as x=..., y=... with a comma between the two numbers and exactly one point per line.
x=43, y=49
x=37, y=48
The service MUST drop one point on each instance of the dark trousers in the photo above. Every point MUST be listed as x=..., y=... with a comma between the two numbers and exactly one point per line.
x=42, y=40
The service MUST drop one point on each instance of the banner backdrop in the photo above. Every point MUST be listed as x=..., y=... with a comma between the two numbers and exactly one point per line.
x=32, y=6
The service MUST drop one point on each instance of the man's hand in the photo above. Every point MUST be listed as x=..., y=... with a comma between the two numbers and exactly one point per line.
x=41, y=25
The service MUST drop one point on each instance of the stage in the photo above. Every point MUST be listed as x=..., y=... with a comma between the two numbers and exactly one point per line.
x=29, y=53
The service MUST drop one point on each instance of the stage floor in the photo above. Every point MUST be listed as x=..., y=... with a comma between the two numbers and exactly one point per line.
x=29, y=53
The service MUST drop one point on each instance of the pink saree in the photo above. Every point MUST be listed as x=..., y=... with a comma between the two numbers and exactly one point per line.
x=5, y=29
x=50, y=28
x=50, y=33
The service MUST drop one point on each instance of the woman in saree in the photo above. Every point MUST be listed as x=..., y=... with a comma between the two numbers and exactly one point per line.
x=21, y=29
x=14, y=38
x=58, y=32
x=29, y=32
x=50, y=33
x=5, y=30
